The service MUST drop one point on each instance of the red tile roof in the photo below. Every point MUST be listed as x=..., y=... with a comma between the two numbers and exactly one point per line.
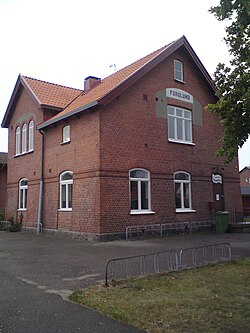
x=70, y=101
x=50, y=94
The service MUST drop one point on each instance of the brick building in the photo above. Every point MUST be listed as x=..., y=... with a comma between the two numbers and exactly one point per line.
x=135, y=148
x=245, y=189
x=3, y=180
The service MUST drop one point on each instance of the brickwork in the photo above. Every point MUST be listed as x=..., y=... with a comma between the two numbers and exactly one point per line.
x=3, y=186
x=108, y=141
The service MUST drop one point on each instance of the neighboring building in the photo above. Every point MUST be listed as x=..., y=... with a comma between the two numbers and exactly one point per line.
x=3, y=180
x=135, y=148
x=245, y=189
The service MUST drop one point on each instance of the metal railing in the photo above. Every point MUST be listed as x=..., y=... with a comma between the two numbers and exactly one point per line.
x=151, y=263
x=164, y=228
x=4, y=225
x=166, y=261
x=204, y=255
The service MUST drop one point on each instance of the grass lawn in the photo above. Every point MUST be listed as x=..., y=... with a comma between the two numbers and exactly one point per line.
x=208, y=299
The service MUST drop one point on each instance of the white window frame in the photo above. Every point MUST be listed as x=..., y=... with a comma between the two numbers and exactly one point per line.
x=18, y=141
x=23, y=194
x=184, y=121
x=24, y=138
x=178, y=73
x=66, y=134
x=66, y=183
x=182, y=182
x=139, y=181
x=31, y=136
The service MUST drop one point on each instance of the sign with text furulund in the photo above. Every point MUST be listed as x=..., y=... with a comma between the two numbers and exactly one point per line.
x=179, y=94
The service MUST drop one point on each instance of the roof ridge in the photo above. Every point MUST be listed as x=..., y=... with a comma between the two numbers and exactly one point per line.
x=138, y=60
x=54, y=84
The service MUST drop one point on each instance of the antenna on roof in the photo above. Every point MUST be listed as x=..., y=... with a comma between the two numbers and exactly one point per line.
x=114, y=66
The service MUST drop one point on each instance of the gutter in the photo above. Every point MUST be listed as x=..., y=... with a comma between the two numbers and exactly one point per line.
x=66, y=115
x=40, y=202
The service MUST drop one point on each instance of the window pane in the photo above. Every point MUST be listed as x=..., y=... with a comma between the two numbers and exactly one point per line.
x=181, y=176
x=134, y=195
x=66, y=176
x=31, y=135
x=170, y=110
x=24, y=130
x=70, y=195
x=179, y=113
x=179, y=129
x=186, y=195
x=21, y=199
x=66, y=133
x=171, y=128
x=25, y=198
x=178, y=195
x=138, y=174
x=187, y=130
x=144, y=195
x=63, y=196
x=18, y=141
x=24, y=182
x=187, y=114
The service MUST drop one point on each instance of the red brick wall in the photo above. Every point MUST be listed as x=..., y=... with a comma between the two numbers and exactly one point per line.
x=81, y=156
x=134, y=137
x=3, y=187
x=106, y=143
x=245, y=174
x=24, y=166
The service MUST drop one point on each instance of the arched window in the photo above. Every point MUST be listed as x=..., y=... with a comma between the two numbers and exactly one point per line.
x=182, y=182
x=178, y=70
x=24, y=138
x=31, y=136
x=66, y=187
x=18, y=142
x=66, y=134
x=23, y=192
x=139, y=190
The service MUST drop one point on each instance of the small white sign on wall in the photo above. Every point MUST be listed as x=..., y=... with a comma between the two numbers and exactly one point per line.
x=179, y=94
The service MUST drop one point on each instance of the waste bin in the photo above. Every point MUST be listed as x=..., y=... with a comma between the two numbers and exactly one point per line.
x=221, y=222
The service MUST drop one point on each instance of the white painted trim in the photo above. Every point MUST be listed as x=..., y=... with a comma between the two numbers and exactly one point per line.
x=141, y=212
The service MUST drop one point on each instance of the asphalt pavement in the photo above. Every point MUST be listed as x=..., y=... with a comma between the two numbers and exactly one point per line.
x=39, y=272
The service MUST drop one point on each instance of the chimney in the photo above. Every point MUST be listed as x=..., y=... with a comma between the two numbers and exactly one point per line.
x=90, y=82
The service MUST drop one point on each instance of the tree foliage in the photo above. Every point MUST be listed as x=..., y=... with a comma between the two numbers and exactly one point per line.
x=233, y=106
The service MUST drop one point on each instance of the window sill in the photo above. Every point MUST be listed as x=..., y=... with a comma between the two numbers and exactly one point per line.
x=21, y=209
x=65, y=210
x=65, y=142
x=177, y=80
x=24, y=153
x=185, y=211
x=182, y=142
x=141, y=212
x=30, y=151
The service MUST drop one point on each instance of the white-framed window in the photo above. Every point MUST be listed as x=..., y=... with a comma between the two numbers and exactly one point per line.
x=24, y=138
x=66, y=134
x=178, y=70
x=139, y=190
x=23, y=191
x=182, y=184
x=66, y=187
x=18, y=140
x=179, y=124
x=31, y=136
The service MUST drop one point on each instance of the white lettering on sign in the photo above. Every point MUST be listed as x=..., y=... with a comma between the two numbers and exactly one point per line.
x=179, y=94
x=217, y=179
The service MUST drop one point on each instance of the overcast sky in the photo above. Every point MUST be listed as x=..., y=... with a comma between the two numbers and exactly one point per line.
x=65, y=41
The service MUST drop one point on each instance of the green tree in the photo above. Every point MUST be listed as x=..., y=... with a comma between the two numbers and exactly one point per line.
x=233, y=106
